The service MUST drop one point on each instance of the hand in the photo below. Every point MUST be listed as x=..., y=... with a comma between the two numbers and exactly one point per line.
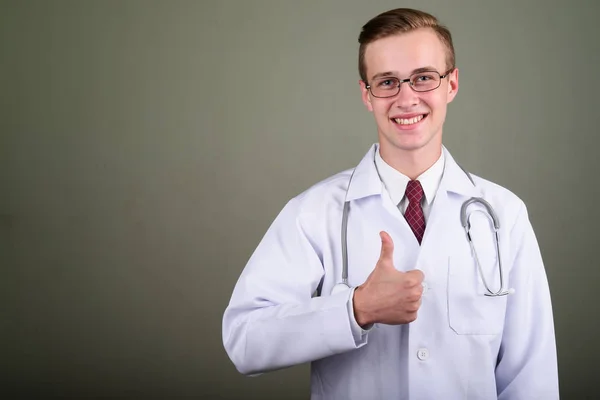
x=388, y=296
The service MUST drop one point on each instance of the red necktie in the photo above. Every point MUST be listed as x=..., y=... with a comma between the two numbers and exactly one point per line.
x=414, y=213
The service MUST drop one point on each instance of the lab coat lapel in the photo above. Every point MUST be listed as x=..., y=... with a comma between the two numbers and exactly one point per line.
x=366, y=182
x=444, y=227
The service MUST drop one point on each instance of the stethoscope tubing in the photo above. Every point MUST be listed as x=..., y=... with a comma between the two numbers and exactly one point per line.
x=464, y=218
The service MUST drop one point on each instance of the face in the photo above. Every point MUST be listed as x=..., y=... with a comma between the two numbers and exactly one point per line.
x=409, y=122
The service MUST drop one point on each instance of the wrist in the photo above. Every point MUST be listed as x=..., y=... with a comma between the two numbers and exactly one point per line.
x=362, y=317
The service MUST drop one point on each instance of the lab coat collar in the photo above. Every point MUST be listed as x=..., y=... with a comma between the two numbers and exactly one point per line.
x=456, y=179
x=365, y=180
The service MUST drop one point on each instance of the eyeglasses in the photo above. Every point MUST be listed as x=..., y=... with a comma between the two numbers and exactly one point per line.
x=420, y=82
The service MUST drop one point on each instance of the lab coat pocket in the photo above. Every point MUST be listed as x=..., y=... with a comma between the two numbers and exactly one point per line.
x=470, y=311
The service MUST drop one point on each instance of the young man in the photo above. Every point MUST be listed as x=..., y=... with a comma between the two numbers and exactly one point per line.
x=421, y=315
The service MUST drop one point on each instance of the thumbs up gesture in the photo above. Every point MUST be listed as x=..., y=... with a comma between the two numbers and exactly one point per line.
x=388, y=296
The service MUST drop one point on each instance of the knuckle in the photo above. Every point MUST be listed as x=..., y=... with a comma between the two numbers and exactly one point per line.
x=417, y=275
x=420, y=278
x=415, y=297
x=409, y=282
x=419, y=290
x=413, y=279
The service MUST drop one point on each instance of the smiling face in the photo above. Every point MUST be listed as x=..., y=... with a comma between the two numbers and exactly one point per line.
x=409, y=122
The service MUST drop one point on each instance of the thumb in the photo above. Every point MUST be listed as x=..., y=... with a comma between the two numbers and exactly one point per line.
x=387, y=248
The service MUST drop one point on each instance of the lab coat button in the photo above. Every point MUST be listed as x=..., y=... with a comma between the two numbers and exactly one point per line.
x=423, y=354
x=425, y=287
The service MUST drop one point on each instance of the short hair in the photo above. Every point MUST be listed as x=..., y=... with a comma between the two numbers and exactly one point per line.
x=397, y=21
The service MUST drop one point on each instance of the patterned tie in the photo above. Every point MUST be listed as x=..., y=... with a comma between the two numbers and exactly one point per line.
x=414, y=213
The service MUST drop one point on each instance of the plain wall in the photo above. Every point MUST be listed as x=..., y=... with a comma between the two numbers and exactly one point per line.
x=146, y=146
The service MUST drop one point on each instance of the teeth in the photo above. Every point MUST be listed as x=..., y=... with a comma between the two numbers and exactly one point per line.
x=408, y=121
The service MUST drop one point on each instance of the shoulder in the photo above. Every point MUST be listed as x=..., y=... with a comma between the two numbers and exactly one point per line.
x=507, y=204
x=329, y=192
x=309, y=211
x=490, y=188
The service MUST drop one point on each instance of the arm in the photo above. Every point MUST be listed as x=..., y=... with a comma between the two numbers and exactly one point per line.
x=527, y=363
x=272, y=320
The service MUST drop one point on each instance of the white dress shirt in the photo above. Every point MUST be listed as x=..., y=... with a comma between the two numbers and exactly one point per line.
x=395, y=183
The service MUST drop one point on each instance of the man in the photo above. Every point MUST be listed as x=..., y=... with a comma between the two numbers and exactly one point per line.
x=423, y=315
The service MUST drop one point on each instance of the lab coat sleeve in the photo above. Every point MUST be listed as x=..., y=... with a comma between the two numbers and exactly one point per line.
x=272, y=320
x=527, y=363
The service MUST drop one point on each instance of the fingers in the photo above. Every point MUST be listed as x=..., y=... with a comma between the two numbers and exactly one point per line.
x=413, y=286
x=413, y=304
x=413, y=307
x=414, y=295
x=387, y=247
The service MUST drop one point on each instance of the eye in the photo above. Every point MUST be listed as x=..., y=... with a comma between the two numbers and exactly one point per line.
x=424, y=78
x=425, y=81
x=387, y=83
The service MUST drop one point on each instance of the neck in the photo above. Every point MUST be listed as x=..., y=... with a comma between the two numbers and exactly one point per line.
x=411, y=163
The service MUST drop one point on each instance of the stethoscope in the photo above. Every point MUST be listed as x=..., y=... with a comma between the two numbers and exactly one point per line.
x=465, y=221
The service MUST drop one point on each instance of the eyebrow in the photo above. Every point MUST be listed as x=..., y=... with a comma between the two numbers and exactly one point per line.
x=395, y=73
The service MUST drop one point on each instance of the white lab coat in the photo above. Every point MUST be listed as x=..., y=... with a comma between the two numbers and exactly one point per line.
x=463, y=345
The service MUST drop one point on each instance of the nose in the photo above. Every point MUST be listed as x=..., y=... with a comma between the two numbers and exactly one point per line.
x=407, y=97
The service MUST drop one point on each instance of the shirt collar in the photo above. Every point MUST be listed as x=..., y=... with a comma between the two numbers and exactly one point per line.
x=365, y=180
x=395, y=182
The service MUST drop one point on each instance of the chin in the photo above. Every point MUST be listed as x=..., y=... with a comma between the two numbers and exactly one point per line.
x=407, y=143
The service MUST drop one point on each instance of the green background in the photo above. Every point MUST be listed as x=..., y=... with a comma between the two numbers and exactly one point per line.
x=146, y=146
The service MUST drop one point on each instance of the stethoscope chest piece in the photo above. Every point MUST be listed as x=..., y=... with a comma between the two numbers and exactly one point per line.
x=339, y=288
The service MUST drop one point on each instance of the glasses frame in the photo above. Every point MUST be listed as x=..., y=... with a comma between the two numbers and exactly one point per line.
x=408, y=80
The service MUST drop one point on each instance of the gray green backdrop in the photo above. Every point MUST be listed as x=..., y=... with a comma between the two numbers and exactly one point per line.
x=146, y=146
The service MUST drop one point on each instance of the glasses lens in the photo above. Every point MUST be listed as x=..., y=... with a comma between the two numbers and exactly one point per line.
x=385, y=87
x=421, y=82
x=425, y=81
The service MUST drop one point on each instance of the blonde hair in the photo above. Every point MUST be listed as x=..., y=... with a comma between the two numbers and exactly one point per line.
x=401, y=20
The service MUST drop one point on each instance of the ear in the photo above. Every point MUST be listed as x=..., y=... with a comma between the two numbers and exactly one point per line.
x=366, y=95
x=452, y=85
